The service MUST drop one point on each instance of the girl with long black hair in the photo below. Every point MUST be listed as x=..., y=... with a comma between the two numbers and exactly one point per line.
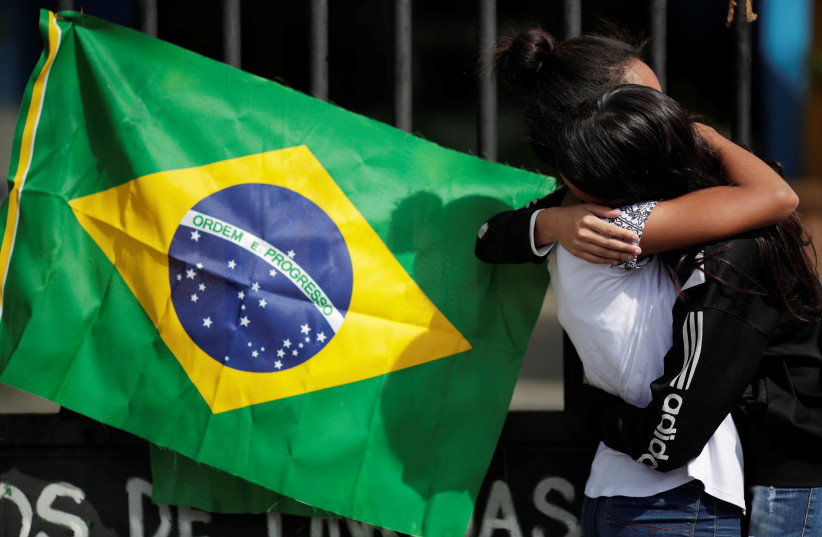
x=747, y=330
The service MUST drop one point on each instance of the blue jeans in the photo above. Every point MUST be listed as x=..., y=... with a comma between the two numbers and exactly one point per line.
x=685, y=510
x=785, y=512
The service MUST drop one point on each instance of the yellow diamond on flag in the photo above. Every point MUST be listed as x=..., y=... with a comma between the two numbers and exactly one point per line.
x=263, y=279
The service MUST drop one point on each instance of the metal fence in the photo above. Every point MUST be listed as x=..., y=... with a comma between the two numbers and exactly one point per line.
x=486, y=38
x=487, y=99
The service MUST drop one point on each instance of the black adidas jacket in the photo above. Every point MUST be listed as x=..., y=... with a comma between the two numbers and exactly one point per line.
x=733, y=352
x=505, y=238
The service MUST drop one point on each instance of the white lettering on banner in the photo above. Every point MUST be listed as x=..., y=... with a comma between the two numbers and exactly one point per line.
x=18, y=498
x=48, y=513
x=361, y=529
x=136, y=489
x=186, y=516
x=499, y=512
x=566, y=489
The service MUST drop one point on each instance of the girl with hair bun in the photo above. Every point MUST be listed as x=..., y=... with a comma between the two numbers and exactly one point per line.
x=552, y=78
x=621, y=320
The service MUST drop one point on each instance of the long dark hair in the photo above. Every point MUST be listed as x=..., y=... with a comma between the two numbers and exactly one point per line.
x=633, y=143
x=552, y=78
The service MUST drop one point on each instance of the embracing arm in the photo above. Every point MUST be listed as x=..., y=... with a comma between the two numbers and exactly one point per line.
x=758, y=197
x=719, y=337
x=706, y=373
x=520, y=236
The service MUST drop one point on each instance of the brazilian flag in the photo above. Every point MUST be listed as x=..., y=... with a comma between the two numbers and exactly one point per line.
x=259, y=281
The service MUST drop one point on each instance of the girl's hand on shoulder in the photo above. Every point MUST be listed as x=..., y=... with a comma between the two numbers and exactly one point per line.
x=581, y=230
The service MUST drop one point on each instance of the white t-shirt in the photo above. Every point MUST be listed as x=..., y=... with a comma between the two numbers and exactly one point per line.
x=620, y=322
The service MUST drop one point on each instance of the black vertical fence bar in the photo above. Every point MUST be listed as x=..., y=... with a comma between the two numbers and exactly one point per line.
x=742, y=112
x=571, y=365
x=63, y=5
x=148, y=17
x=232, y=47
x=402, y=65
x=572, y=18
x=487, y=113
x=318, y=49
x=659, y=39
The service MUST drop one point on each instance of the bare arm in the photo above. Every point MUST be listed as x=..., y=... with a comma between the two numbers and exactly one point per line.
x=758, y=197
x=579, y=228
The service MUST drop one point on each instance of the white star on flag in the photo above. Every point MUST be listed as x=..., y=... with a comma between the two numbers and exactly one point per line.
x=244, y=321
x=195, y=236
x=232, y=264
x=194, y=297
x=255, y=286
x=291, y=253
x=190, y=274
x=263, y=303
x=207, y=322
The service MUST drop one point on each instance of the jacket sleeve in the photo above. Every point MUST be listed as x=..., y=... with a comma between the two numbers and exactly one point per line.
x=715, y=354
x=506, y=237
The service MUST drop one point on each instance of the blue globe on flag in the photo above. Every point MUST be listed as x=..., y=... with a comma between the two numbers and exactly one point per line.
x=261, y=277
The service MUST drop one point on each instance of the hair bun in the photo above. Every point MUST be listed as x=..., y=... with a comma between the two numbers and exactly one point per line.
x=519, y=58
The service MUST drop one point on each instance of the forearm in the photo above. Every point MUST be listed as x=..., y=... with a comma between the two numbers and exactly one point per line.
x=582, y=230
x=706, y=373
x=757, y=197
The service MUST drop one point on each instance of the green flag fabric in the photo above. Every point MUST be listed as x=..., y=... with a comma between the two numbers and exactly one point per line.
x=178, y=480
x=259, y=281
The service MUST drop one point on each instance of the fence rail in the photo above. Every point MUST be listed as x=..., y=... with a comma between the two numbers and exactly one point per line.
x=487, y=99
x=486, y=35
